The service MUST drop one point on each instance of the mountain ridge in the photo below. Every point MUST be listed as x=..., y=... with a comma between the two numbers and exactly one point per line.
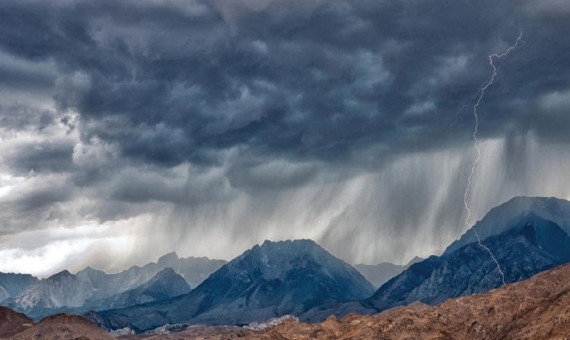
x=67, y=292
x=523, y=251
x=499, y=218
x=536, y=308
x=268, y=280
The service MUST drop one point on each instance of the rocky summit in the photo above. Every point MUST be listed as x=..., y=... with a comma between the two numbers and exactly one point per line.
x=532, y=245
x=274, y=279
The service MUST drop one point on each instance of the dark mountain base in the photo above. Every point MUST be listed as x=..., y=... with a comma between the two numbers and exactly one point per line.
x=533, y=309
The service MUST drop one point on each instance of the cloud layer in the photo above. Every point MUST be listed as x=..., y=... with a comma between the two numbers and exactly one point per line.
x=207, y=126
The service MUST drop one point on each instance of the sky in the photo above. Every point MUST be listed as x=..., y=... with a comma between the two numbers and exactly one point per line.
x=132, y=128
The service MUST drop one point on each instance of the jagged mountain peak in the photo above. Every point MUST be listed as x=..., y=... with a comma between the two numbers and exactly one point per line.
x=266, y=281
x=90, y=269
x=416, y=259
x=531, y=244
x=273, y=260
x=168, y=259
x=165, y=274
x=502, y=217
x=64, y=274
x=91, y=273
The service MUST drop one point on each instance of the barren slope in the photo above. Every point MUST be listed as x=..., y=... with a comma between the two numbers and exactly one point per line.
x=12, y=322
x=63, y=327
x=538, y=308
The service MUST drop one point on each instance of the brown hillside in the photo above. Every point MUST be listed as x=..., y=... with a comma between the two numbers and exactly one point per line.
x=538, y=308
x=64, y=327
x=12, y=322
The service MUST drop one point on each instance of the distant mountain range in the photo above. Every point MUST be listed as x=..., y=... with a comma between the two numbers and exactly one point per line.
x=525, y=235
x=536, y=308
x=380, y=273
x=290, y=278
x=95, y=289
x=166, y=284
x=14, y=284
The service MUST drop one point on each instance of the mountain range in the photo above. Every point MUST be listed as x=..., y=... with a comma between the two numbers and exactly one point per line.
x=503, y=217
x=95, y=289
x=271, y=280
x=536, y=308
x=300, y=278
x=529, y=247
x=12, y=284
x=519, y=239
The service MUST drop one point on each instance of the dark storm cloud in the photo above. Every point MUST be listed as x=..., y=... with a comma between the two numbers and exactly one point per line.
x=274, y=118
x=35, y=206
x=176, y=81
x=55, y=156
x=18, y=117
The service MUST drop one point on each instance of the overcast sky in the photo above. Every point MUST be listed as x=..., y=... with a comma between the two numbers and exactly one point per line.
x=132, y=128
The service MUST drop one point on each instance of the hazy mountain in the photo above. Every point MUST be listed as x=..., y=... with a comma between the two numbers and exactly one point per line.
x=531, y=245
x=13, y=284
x=59, y=290
x=271, y=280
x=193, y=269
x=536, y=308
x=166, y=284
x=91, y=288
x=378, y=274
x=504, y=216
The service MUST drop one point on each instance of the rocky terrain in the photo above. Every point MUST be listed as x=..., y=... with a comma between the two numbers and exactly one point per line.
x=267, y=281
x=538, y=308
x=12, y=322
x=529, y=247
x=301, y=279
x=501, y=218
x=55, y=327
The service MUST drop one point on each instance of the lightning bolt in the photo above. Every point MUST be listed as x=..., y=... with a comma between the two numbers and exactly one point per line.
x=475, y=164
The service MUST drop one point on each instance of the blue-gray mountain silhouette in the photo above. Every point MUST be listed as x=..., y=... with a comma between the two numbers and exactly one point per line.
x=274, y=279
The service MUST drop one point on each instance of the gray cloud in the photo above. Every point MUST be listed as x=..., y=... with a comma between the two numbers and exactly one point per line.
x=216, y=118
x=309, y=80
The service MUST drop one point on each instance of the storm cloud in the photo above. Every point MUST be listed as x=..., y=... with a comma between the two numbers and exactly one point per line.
x=208, y=126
